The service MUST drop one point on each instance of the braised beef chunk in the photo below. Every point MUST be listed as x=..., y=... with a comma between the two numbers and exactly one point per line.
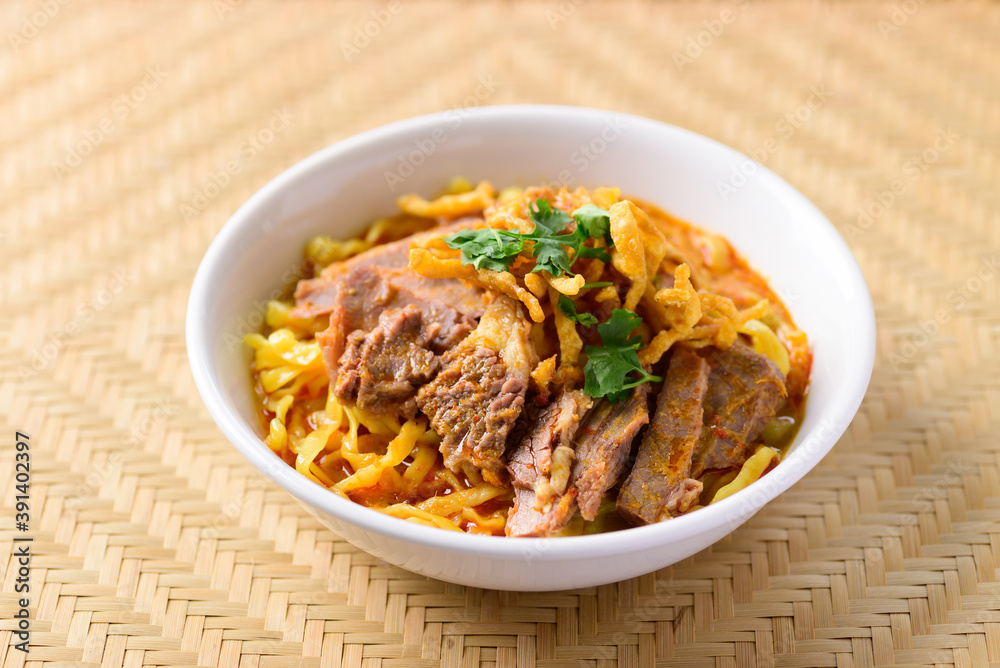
x=476, y=398
x=319, y=296
x=472, y=404
x=602, y=446
x=549, y=427
x=660, y=485
x=381, y=370
x=361, y=298
x=745, y=389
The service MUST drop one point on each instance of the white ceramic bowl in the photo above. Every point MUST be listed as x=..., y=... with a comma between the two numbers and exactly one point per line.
x=341, y=188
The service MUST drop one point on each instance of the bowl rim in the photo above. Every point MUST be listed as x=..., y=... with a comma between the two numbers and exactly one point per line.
x=796, y=465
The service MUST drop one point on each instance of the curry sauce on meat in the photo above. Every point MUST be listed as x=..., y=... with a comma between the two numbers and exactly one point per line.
x=530, y=362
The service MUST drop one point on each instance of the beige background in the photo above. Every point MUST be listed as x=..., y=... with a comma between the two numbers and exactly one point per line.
x=155, y=544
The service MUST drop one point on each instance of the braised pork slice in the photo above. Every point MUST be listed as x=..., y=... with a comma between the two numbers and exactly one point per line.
x=476, y=398
x=660, y=484
x=745, y=389
x=361, y=298
x=381, y=370
x=319, y=296
x=602, y=447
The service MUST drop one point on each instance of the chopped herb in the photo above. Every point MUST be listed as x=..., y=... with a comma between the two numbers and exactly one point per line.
x=592, y=222
x=553, y=248
x=595, y=221
x=548, y=220
x=488, y=248
x=568, y=307
x=596, y=284
x=613, y=368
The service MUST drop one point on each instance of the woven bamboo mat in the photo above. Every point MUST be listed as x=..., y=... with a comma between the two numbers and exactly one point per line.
x=155, y=544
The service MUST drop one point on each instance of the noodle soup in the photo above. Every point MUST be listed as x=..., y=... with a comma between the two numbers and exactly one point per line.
x=530, y=362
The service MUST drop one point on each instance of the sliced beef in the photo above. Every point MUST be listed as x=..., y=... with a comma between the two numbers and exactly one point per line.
x=467, y=299
x=477, y=397
x=362, y=297
x=318, y=296
x=549, y=428
x=660, y=485
x=603, y=442
x=602, y=447
x=745, y=389
x=381, y=370
x=525, y=521
x=472, y=405
x=540, y=464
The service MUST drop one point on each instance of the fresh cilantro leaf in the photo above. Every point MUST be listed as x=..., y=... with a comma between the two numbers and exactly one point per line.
x=589, y=251
x=611, y=368
x=568, y=307
x=596, y=284
x=618, y=328
x=487, y=248
x=551, y=240
x=548, y=220
x=554, y=249
x=594, y=221
x=548, y=248
x=551, y=256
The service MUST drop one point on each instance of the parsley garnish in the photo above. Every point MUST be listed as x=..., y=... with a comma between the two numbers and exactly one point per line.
x=608, y=369
x=553, y=248
x=568, y=307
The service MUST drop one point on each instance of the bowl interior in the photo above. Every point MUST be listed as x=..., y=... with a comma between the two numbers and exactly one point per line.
x=340, y=189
